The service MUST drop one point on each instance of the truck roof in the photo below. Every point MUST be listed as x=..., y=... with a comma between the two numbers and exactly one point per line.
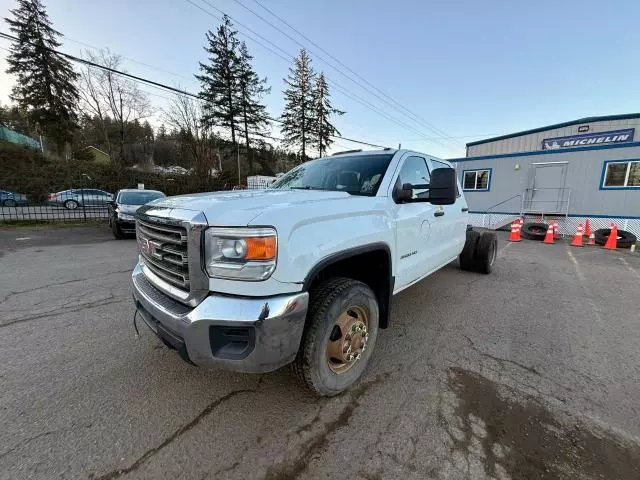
x=385, y=151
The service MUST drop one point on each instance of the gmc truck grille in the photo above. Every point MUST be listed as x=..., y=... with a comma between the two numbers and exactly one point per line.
x=164, y=249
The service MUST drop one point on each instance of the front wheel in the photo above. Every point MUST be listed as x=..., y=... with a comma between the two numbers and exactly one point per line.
x=10, y=203
x=117, y=233
x=340, y=336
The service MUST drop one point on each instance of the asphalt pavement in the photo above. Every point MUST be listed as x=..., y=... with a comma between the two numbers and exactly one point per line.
x=530, y=372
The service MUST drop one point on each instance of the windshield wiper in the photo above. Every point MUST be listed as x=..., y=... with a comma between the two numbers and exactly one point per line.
x=307, y=187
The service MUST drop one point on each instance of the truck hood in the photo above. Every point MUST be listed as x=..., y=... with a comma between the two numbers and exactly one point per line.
x=240, y=207
x=128, y=209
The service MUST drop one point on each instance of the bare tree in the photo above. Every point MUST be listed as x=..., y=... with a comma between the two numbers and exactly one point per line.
x=185, y=115
x=106, y=94
x=92, y=103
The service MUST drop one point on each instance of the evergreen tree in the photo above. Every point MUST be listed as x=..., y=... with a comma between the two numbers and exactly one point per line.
x=298, y=117
x=323, y=111
x=251, y=88
x=219, y=79
x=162, y=132
x=45, y=80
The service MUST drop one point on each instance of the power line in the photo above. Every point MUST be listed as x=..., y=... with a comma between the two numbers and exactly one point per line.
x=158, y=84
x=133, y=60
x=391, y=102
x=363, y=79
x=287, y=58
x=380, y=112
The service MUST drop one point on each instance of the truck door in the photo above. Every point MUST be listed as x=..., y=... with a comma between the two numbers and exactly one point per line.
x=414, y=237
x=451, y=222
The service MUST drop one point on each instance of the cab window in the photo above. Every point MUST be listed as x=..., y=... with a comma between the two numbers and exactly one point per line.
x=415, y=172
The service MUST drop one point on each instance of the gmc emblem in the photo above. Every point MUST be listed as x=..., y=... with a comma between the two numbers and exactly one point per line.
x=143, y=243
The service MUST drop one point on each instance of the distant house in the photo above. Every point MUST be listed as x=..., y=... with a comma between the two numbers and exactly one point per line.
x=98, y=155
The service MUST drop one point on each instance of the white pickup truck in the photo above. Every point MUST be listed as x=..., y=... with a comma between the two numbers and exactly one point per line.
x=302, y=272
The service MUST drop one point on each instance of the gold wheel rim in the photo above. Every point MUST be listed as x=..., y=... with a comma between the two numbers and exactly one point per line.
x=348, y=339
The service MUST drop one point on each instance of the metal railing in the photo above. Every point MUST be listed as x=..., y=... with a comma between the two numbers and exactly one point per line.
x=82, y=207
x=488, y=212
x=529, y=204
x=556, y=206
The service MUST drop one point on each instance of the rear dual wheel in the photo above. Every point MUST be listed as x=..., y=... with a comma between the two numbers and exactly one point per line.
x=480, y=252
x=339, y=338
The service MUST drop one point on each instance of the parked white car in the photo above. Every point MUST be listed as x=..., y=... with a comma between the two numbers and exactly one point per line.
x=304, y=271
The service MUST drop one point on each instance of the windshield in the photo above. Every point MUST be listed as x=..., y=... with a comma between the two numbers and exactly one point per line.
x=354, y=174
x=138, y=198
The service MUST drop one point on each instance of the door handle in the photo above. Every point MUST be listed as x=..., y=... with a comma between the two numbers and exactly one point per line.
x=438, y=214
x=465, y=209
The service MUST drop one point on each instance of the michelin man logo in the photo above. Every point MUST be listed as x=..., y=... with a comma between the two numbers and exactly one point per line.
x=551, y=145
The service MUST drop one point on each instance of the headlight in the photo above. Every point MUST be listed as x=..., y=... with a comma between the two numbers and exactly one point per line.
x=126, y=216
x=241, y=253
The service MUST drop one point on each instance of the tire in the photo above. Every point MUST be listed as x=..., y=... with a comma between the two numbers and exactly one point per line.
x=71, y=204
x=468, y=256
x=534, y=231
x=625, y=239
x=486, y=252
x=329, y=302
x=117, y=233
x=10, y=202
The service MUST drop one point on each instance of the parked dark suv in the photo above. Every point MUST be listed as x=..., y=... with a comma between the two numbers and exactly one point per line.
x=122, y=210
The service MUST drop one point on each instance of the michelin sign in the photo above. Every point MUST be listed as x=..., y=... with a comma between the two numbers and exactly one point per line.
x=597, y=138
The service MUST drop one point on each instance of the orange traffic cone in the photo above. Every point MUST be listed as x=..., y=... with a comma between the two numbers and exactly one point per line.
x=587, y=229
x=556, y=233
x=548, y=238
x=612, y=241
x=577, y=239
x=592, y=239
x=514, y=236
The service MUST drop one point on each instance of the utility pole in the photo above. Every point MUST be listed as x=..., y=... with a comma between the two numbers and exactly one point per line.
x=238, y=147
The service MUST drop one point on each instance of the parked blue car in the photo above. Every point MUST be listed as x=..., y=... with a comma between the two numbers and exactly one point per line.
x=12, y=199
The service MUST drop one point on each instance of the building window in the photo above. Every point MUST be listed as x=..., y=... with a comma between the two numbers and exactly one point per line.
x=476, y=180
x=621, y=174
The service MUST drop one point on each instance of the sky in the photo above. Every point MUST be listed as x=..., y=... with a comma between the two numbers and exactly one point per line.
x=444, y=73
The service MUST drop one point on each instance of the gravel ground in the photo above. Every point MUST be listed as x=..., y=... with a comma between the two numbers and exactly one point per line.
x=531, y=372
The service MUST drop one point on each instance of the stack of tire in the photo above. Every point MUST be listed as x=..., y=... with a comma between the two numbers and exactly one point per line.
x=625, y=239
x=534, y=231
x=537, y=231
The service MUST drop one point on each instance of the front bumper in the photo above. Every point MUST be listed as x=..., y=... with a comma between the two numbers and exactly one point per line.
x=233, y=333
x=126, y=226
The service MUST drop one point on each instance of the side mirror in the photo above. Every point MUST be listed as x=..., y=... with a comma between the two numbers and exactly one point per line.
x=442, y=190
x=403, y=193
